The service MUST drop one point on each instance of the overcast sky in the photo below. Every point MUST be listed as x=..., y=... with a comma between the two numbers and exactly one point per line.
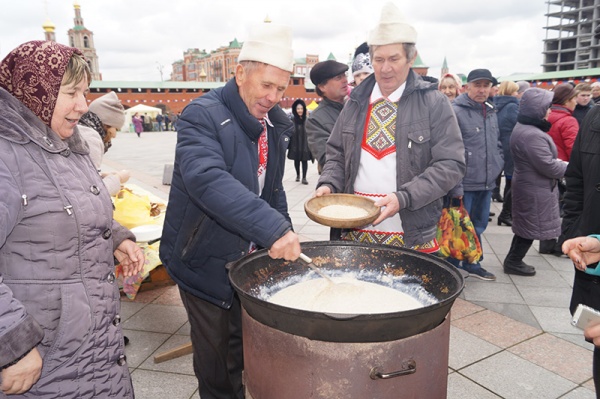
x=135, y=38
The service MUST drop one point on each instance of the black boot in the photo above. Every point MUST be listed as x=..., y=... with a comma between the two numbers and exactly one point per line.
x=547, y=246
x=496, y=191
x=513, y=264
x=505, y=216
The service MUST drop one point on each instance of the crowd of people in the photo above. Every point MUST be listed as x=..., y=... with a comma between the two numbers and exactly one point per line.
x=403, y=140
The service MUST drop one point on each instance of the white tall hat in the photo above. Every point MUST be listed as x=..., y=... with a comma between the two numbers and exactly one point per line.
x=271, y=44
x=392, y=28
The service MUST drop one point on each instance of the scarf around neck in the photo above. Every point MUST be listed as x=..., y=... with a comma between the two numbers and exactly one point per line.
x=542, y=124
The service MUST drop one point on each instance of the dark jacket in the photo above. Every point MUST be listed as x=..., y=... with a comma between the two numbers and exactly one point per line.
x=319, y=126
x=582, y=212
x=298, y=149
x=534, y=185
x=563, y=131
x=215, y=209
x=581, y=111
x=429, y=153
x=57, y=285
x=483, y=152
x=507, y=109
x=582, y=198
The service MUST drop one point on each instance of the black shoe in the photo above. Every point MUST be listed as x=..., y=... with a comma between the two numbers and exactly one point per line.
x=492, y=213
x=297, y=178
x=547, y=246
x=125, y=340
x=497, y=197
x=304, y=181
x=503, y=219
x=521, y=269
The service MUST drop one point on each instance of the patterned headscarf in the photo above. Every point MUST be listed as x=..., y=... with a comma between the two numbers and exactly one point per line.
x=33, y=72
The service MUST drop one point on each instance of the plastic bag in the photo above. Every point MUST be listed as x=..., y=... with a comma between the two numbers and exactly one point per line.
x=132, y=210
x=456, y=235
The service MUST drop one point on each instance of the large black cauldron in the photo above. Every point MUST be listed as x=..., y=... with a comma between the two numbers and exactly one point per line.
x=436, y=276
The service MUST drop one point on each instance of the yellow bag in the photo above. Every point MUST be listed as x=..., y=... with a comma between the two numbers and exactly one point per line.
x=132, y=210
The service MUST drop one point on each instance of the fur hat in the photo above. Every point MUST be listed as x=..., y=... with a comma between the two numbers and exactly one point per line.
x=362, y=60
x=392, y=28
x=109, y=110
x=271, y=44
x=563, y=93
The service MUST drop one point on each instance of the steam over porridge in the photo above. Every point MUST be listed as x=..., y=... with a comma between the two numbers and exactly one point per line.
x=342, y=212
x=346, y=295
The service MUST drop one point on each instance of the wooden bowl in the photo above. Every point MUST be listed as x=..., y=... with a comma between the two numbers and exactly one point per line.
x=313, y=205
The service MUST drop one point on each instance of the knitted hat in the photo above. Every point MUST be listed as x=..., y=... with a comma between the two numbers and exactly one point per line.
x=563, y=93
x=392, y=28
x=109, y=110
x=271, y=44
x=362, y=60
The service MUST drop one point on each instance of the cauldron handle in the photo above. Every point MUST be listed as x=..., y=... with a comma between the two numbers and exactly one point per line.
x=376, y=374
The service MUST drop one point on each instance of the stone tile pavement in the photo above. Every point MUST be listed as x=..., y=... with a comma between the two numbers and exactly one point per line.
x=509, y=339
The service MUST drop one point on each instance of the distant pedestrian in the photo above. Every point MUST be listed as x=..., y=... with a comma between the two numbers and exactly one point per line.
x=159, y=121
x=138, y=123
x=564, y=125
x=451, y=85
x=478, y=123
x=167, y=121
x=298, y=149
x=596, y=92
x=584, y=101
x=361, y=64
x=507, y=105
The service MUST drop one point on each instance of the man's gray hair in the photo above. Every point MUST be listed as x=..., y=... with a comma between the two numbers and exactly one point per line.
x=410, y=50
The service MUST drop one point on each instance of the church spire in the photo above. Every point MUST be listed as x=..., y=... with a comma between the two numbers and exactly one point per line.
x=48, y=26
x=83, y=39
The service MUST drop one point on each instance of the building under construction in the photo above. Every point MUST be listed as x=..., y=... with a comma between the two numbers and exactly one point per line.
x=570, y=43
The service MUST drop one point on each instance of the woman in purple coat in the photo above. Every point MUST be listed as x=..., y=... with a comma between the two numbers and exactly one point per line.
x=535, y=180
x=138, y=124
x=60, y=332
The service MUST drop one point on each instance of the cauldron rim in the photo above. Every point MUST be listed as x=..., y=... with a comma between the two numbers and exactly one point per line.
x=269, y=313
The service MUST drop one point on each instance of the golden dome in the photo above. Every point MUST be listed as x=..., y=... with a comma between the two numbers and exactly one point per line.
x=48, y=25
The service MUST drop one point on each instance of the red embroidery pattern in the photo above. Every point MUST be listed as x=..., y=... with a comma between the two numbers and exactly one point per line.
x=378, y=138
x=263, y=150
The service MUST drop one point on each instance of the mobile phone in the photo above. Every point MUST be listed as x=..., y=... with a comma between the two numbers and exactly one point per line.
x=585, y=316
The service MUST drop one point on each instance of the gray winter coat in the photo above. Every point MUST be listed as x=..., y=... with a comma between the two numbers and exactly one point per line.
x=535, y=210
x=319, y=126
x=57, y=285
x=429, y=153
x=483, y=150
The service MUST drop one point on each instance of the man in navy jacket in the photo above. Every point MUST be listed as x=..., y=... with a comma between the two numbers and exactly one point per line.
x=227, y=200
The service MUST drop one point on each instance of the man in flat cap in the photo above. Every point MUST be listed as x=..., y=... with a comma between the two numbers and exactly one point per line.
x=397, y=142
x=227, y=199
x=331, y=83
x=481, y=136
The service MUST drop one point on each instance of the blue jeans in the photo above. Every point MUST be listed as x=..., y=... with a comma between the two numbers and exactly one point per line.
x=477, y=204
